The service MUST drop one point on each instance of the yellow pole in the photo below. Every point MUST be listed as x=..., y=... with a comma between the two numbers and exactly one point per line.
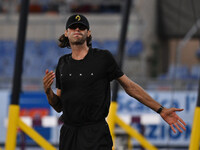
x=13, y=123
x=130, y=145
x=111, y=117
x=13, y=117
x=195, y=135
x=111, y=120
x=133, y=133
x=35, y=136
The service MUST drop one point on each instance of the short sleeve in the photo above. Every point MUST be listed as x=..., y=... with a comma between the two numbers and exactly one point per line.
x=58, y=84
x=113, y=70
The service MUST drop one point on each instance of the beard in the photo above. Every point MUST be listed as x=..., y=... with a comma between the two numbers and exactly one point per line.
x=79, y=41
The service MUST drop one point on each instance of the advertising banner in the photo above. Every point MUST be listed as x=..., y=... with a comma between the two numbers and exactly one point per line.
x=161, y=133
x=35, y=105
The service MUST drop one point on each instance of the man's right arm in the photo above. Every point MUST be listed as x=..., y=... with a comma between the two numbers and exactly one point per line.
x=53, y=99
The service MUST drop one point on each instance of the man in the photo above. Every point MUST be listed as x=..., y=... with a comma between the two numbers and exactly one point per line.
x=83, y=91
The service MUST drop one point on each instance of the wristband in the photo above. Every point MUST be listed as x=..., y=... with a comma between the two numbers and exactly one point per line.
x=160, y=109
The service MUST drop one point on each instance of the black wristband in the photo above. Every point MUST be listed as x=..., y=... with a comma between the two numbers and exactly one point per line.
x=160, y=109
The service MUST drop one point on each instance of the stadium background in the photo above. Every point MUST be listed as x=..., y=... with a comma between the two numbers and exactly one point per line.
x=155, y=30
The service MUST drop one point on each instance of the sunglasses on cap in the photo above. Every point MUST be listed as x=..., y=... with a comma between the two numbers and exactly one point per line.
x=80, y=26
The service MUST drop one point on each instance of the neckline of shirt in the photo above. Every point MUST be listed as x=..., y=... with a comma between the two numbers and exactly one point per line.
x=81, y=60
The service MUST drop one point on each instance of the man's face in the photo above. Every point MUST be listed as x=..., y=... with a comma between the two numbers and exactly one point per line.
x=77, y=34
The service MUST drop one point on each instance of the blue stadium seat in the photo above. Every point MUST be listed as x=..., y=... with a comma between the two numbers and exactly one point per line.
x=180, y=72
x=111, y=45
x=50, y=53
x=31, y=59
x=2, y=51
x=7, y=57
x=2, y=56
x=134, y=48
x=47, y=45
x=96, y=44
x=195, y=72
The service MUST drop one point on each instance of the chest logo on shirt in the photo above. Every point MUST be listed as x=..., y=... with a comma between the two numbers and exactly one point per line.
x=80, y=74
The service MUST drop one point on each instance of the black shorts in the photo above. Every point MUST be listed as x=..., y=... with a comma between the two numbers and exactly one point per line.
x=91, y=137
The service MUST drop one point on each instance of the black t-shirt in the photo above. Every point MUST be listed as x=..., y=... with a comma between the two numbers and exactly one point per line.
x=85, y=86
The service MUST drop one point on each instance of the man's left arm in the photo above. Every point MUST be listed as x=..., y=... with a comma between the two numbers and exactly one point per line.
x=168, y=114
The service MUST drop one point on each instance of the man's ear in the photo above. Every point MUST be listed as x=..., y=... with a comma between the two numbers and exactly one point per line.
x=66, y=33
x=89, y=33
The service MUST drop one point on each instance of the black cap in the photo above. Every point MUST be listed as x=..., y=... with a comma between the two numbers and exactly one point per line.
x=77, y=19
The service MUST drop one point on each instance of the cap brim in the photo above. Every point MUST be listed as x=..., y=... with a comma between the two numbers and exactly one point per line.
x=78, y=23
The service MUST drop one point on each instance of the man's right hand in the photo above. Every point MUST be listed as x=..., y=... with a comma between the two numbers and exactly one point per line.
x=48, y=80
